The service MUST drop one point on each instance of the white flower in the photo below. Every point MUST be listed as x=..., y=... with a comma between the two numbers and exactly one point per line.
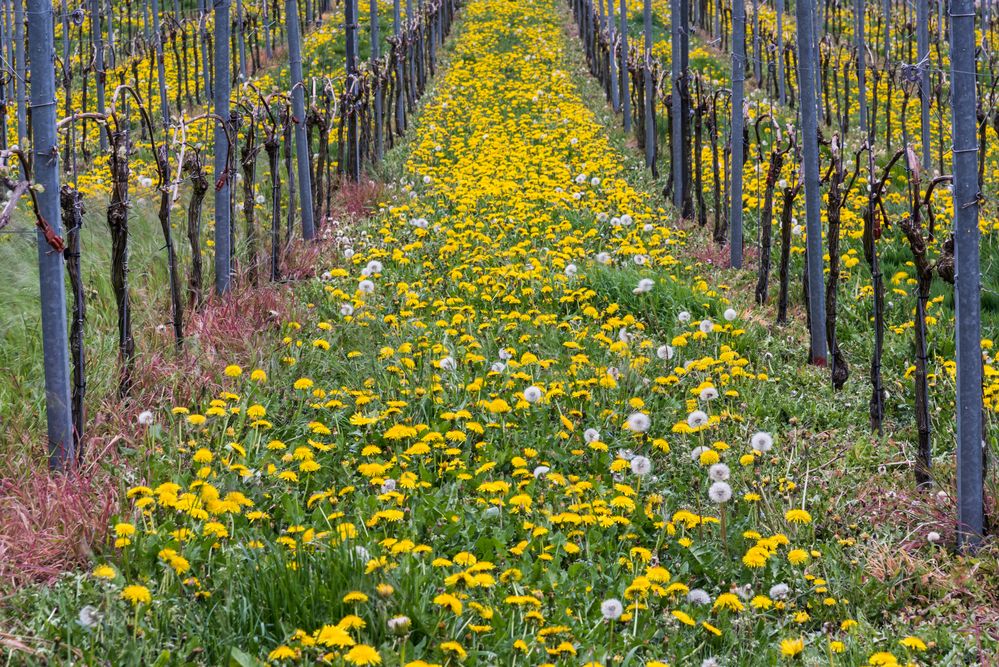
x=346, y=309
x=611, y=609
x=933, y=537
x=730, y=314
x=698, y=596
x=762, y=442
x=683, y=316
x=570, y=270
x=720, y=492
x=697, y=418
x=366, y=286
x=709, y=394
x=644, y=285
x=374, y=266
x=641, y=466
x=779, y=591
x=89, y=616
x=719, y=472
x=533, y=394
x=388, y=485
x=706, y=326
x=591, y=435
x=399, y=624
x=695, y=453
x=664, y=352
x=145, y=418
x=540, y=471
x=448, y=364
x=638, y=422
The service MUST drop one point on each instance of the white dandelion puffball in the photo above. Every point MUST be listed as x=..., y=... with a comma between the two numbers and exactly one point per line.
x=626, y=219
x=348, y=253
x=641, y=466
x=602, y=217
x=664, y=352
x=145, y=418
x=615, y=221
x=611, y=609
x=595, y=181
x=427, y=180
x=640, y=260
x=706, y=326
x=533, y=394
x=698, y=596
x=570, y=270
x=591, y=435
x=573, y=141
x=709, y=394
x=644, y=285
x=603, y=258
x=577, y=195
x=697, y=418
x=419, y=222
x=346, y=309
x=448, y=364
x=683, y=316
x=146, y=182
x=933, y=537
x=762, y=442
x=89, y=616
x=541, y=471
x=639, y=422
x=695, y=453
x=779, y=591
x=374, y=266
x=362, y=554
x=720, y=492
x=260, y=199
x=730, y=314
x=366, y=286
x=505, y=354
x=491, y=512
x=388, y=486
x=580, y=179
x=647, y=227
x=498, y=367
x=719, y=472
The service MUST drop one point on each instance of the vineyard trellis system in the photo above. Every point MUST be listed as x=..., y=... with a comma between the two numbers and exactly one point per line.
x=803, y=129
x=334, y=126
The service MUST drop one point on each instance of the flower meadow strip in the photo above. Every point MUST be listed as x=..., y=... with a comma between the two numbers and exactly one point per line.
x=511, y=431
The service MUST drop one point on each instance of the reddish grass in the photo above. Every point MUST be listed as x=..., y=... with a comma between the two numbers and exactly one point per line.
x=51, y=523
